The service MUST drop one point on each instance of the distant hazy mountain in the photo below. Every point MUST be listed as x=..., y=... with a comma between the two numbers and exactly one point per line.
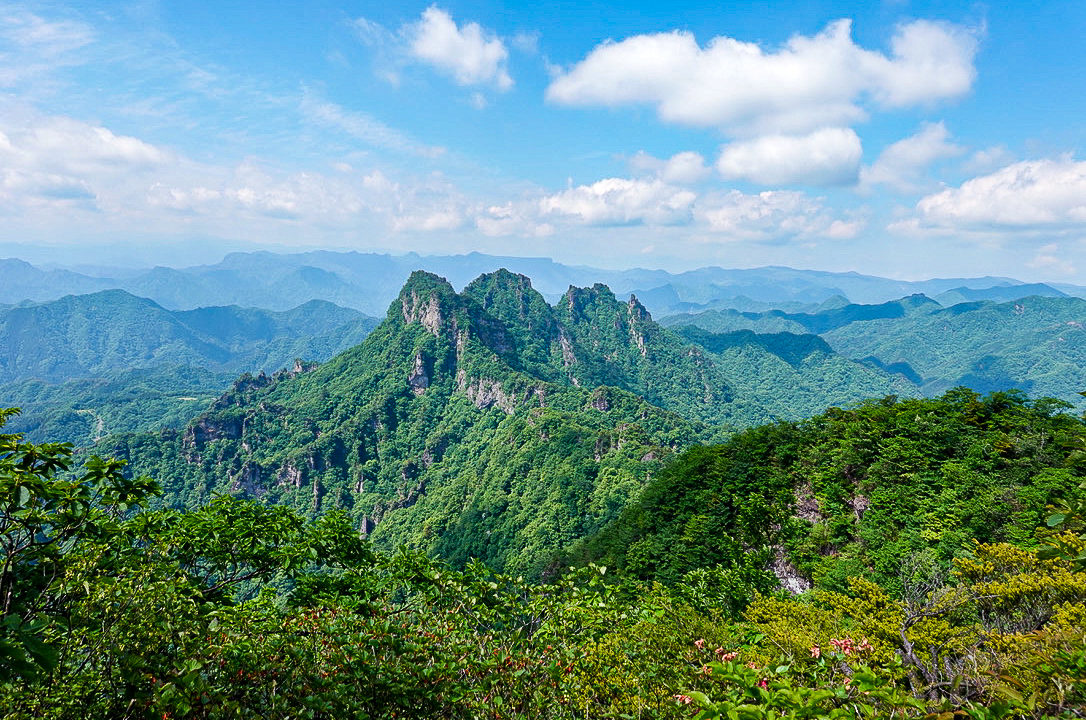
x=84, y=366
x=831, y=315
x=86, y=335
x=794, y=376
x=1000, y=293
x=368, y=282
x=1036, y=344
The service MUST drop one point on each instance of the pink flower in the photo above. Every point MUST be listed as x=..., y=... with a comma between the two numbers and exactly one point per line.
x=725, y=656
x=706, y=670
x=816, y=652
x=684, y=699
x=843, y=646
x=700, y=644
x=764, y=683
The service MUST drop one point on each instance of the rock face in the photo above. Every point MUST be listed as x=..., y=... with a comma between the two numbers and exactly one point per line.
x=209, y=429
x=788, y=574
x=485, y=393
x=426, y=312
x=419, y=380
x=248, y=481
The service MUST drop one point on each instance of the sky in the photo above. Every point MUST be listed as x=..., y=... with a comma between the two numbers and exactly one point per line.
x=903, y=139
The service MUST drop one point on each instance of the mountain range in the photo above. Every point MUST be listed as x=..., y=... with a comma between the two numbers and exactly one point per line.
x=490, y=424
x=87, y=365
x=1034, y=343
x=368, y=282
x=487, y=423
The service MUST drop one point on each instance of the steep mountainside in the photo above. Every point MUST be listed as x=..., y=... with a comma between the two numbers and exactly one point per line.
x=865, y=492
x=485, y=424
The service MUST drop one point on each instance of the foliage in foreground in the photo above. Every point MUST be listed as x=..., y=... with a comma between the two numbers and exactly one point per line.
x=236, y=609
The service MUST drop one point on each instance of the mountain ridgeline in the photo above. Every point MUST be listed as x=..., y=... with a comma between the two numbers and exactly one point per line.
x=86, y=366
x=308, y=544
x=489, y=424
x=483, y=424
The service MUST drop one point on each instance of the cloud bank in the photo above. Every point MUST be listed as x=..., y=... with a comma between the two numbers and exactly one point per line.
x=746, y=90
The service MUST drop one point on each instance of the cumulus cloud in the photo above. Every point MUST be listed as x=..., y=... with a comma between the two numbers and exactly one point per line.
x=46, y=160
x=773, y=215
x=744, y=89
x=988, y=159
x=621, y=201
x=57, y=171
x=472, y=55
x=1030, y=194
x=903, y=164
x=684, y=168
x=512, y=219
x=830, y=156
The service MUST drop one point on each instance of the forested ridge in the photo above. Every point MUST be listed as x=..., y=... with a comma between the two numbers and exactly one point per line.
x=959, y=593
x=495, y=507
x=83, y=367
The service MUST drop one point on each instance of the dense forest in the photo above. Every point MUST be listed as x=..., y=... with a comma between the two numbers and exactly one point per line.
x=497, y=507
x=939, y=583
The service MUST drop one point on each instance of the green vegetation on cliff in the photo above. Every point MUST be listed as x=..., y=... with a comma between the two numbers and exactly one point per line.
x=854, y=492
x=237, y=609
x=485, y=424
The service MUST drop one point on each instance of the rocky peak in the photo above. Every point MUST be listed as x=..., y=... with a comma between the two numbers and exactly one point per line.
x=636, y=310
x=510, y=299
x=577, y=302
x=426, y=299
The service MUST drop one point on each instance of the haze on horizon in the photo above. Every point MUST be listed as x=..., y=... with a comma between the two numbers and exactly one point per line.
x=901, y=139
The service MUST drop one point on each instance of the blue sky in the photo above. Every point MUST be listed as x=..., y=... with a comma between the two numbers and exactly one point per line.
x=903, y=139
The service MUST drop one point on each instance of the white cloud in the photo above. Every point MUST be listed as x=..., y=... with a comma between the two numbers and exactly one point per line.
x=830, y=156
x=449, y=218
x=770, y=216
x=903, y=164
x=684, y=168
x=844, y=229
x=57, y=172
x=1030, y=194
x=620, y=201
x=46, y=160
x=929, y=61
x=512, y=219
x=35, y=46
x=743, y=89
x=1048, y=259
x=472, y=55
x=363, y=126
x=988, y=159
